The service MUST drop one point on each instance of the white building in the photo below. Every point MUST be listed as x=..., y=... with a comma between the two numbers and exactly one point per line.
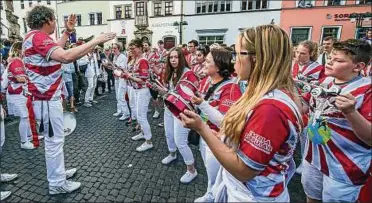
x=4, y=23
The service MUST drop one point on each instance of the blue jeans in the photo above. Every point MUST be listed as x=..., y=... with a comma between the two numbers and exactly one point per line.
x=70, y=89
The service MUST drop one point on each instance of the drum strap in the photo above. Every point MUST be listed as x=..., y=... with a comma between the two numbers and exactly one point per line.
x=212, y=88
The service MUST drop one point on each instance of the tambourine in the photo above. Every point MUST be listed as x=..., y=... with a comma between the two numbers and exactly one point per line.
x=69, y=123
x=186, y=89
x=176, y=104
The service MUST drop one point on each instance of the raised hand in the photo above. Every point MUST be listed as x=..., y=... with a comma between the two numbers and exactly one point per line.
x=70, y=23
x=105, y=37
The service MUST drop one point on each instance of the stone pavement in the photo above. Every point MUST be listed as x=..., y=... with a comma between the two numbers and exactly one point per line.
x=108, y=166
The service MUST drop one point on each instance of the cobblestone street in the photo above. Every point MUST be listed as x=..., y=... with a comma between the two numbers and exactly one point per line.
x=109, y=167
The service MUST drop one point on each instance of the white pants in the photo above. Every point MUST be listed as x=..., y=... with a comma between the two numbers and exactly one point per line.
x=177, y=136
x=120, y=91
x=18, y=102
x=132, y=102
x=2, y=128
x=142, y=98
x=92, y=83
x=55, y=161
x=211, y=164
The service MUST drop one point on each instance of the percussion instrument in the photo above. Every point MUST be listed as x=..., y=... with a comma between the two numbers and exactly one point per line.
x=69, y=123
x=186, y=89
x=176, y=104
x=317, y=90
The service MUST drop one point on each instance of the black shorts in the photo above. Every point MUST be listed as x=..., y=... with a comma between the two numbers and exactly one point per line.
x=154, y=94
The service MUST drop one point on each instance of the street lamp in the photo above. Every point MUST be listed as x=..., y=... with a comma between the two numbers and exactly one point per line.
x=179, y=27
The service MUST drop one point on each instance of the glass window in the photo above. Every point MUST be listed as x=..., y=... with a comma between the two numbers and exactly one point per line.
x=99, y=18
x=1, y=5
x=208, y=40
x=22, y=4
x=168, y=8
x=333, y=2
x=157, y=9
x=78, y=20
x=91, y=18
x=364, y=2
x=213, y=6
x=118, y=12
x=48, y=2
x=30, y=3
x=300, y=34
x=65, y=18
x=254, y=4
x=331, y=31
x=198, y=7
x=38, y=1
x=140, y=8
x=128, y=11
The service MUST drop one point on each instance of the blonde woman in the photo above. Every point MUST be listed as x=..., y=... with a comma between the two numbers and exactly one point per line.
x=260, y=130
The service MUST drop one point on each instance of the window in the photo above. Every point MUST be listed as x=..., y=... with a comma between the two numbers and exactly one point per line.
x=30, y=3
x=254, y=4
x=305, y=3
x=364, y=2
x=22, y=4
x=299, y=34
x=140, y=8
x=334, y=31
x=168, y=8
x=1, y=5
x=91, y=18
x=157, y=9
x=99, y=18
x=65, y=18
x=118, y=12
x=24, y=25
x=38, y=1
x=334, y=2
x=48, y=2
x=208, y=40
x=213, y=6
x=78, y=20
x=128, y=11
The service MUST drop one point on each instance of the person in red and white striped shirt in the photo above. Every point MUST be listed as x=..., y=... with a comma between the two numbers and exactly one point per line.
x=42, y=58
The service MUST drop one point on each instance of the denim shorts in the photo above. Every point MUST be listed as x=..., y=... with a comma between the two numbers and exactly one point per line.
x=70, y=89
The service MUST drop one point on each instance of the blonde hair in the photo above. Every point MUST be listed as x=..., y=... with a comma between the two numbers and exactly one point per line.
x=273, y=51
x=312, y=47
x=15, y=49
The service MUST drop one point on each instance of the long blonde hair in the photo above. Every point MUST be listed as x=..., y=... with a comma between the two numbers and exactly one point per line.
x=271, y=70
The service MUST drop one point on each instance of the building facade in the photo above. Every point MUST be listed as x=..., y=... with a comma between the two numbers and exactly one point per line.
x=314, y=20
x=91, y=17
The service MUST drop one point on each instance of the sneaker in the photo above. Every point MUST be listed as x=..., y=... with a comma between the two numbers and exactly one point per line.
x=124, y=117
x=27, y=145
x=5, y=177
x=145, y=146
x=4, y=195
x=116, y=114
x=188, y=177
x=161, y=124
x=299, y=169
x=87, y=105
x=138, y=137
x=68, y=187
x=70, y=173
x=40, y=137
x=208, y=197
x=168, y=159
x=156, y=115
x=94, y=102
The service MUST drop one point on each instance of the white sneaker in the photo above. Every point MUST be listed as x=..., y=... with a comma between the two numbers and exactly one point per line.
x=40, y=137
x=5, y=177
x=116, y=114
x=299, y=169
x=87, y=105
x=27, y=145
x=156, y=114
x=206, y=198
x=70, y=173
x=188, y=177
x=169, y=159
x=4, y=195
x=124, y=117
x=145, y=146
x=68, y=187
x=94, y=102
x=138, y=137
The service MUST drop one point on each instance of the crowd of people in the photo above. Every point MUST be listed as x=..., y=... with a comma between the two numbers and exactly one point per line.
x=254, y=101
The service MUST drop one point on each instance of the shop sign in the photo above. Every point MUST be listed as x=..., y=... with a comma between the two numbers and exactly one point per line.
x=339, y=17
x=162, y=25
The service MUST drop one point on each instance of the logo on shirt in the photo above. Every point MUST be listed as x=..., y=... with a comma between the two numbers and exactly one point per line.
x=258, y=142
x=47, y=41
x=228, y=102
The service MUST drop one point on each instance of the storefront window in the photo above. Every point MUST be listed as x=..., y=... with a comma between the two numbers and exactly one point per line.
x=361, y=32
x=333, y=31
x=300, y=34
x=208, y=40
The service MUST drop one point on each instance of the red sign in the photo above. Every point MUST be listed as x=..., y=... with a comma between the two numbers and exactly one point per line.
x=123, y=31
x=341, y=17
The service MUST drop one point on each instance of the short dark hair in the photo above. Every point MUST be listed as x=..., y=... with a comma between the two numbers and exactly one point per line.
x=222, y=58
x=358, y=50
x=204, y=50
x=160, y=42
x=184, y=45
x=147, y=42
x=38, y=16
x=328, y=38
x=196, y=43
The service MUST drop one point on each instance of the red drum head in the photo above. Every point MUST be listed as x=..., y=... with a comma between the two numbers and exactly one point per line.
x=186, y=89
x=176, y=104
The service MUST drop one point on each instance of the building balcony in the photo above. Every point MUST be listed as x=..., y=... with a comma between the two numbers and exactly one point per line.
x=141, y=22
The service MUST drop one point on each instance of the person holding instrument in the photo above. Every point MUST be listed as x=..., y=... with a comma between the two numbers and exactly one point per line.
x=255, y=150
x=219, y=92
x=43, y=58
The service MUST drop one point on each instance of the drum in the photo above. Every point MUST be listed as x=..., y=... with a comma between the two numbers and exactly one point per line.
x=186, y=89
x=69, y=123
x=117, y=72
x=177, y=104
